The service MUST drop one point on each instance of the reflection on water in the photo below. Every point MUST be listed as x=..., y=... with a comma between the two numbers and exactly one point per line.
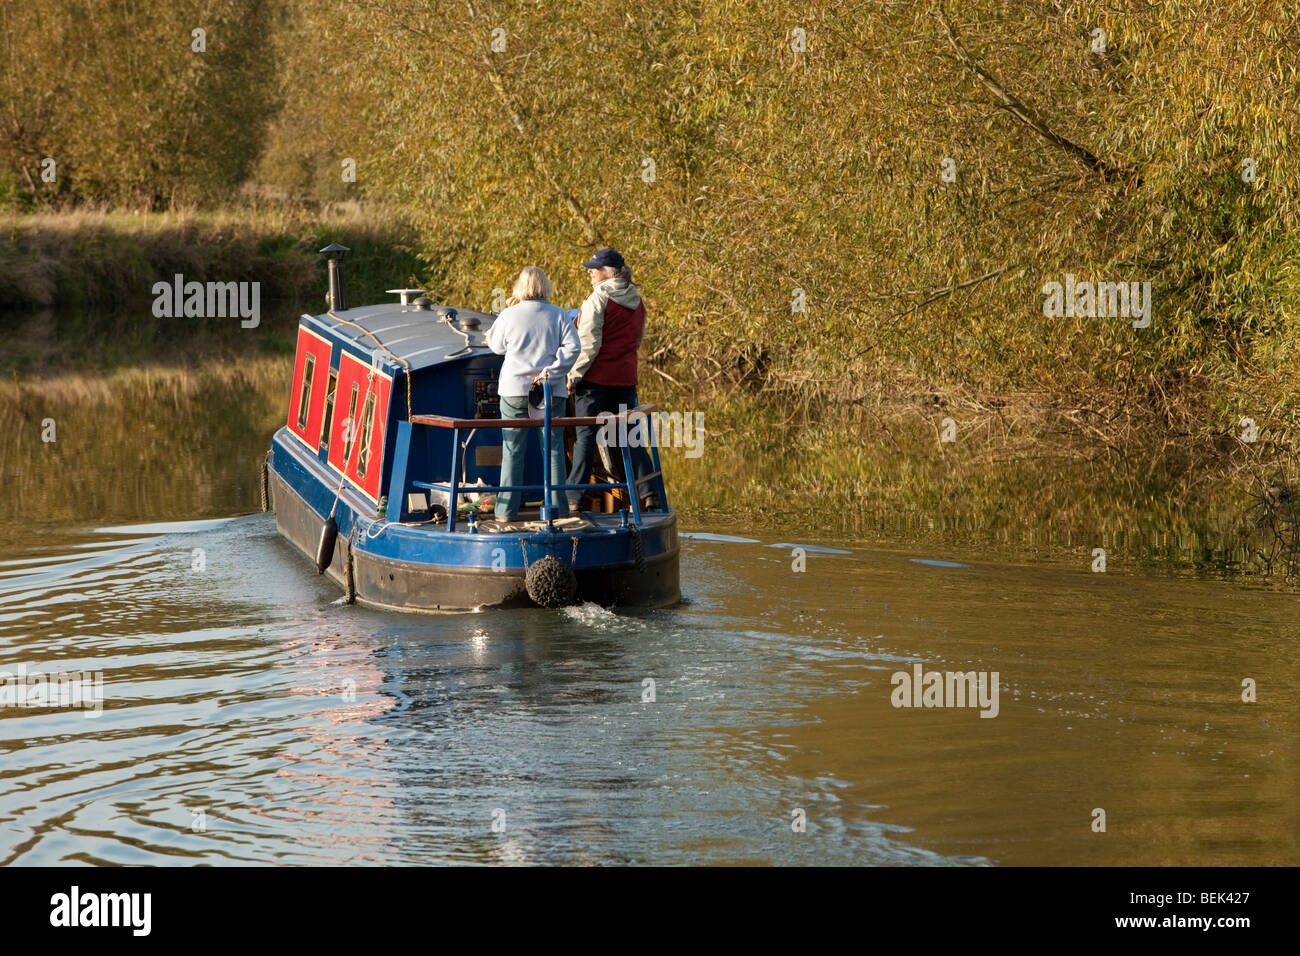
x=177, y=443
x=250, y=716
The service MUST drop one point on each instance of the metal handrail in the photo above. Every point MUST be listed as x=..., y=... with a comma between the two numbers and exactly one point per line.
x=446, y=421
x=546, y=422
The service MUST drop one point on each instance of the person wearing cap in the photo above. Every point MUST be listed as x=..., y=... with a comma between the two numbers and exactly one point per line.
x=611, y=323
x=539, y=342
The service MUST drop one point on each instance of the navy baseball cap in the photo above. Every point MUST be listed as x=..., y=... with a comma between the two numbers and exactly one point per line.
x=602, y=258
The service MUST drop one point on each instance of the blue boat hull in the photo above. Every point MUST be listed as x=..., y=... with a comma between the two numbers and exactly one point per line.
x=423, y=567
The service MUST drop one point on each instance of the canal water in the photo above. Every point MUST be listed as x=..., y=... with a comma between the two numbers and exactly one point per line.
x=249, y=716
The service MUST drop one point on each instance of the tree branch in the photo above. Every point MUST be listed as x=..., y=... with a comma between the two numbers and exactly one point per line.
x=938, y=294
x=1008, y=101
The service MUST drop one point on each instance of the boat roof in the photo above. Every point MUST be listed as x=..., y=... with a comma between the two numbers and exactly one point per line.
x=420, y=337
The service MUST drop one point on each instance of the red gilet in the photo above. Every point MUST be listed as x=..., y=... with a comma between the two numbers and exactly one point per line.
x=615, y=363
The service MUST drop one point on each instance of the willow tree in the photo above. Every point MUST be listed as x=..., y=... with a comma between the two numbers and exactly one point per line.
x=821, y=200
x=142, y=102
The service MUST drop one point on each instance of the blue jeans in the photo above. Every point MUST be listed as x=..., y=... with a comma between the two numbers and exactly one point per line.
x=514, y=444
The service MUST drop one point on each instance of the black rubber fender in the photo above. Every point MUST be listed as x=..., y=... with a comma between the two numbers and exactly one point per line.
x=551, y=582
x=329, y=533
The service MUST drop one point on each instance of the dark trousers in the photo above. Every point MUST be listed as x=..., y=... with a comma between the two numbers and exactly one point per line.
x=590, y=399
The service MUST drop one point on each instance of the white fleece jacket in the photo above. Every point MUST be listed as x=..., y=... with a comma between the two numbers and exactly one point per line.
x=535, y=337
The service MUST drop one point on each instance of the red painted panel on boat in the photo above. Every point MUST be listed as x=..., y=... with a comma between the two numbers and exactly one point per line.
x=373, y=449
x=307, y=404
x=347, y=404
x=352, y=431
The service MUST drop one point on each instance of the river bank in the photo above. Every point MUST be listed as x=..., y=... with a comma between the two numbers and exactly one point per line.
x=110, y=259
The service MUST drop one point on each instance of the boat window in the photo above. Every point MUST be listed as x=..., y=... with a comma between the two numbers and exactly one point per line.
x=367, y=427
x=304, y=398
x=350, y=424
x=331, y=387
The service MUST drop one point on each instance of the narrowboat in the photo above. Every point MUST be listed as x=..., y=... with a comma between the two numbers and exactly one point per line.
x=385, y=468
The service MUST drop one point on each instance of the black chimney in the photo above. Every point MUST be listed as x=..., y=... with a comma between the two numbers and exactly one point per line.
x=338, y=294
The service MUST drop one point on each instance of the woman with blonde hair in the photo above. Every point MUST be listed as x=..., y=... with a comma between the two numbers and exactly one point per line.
x=539, y=343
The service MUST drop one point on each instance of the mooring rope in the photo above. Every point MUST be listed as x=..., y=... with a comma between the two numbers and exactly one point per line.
x=370, y=534
x=638, y=554
x=349, y=572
